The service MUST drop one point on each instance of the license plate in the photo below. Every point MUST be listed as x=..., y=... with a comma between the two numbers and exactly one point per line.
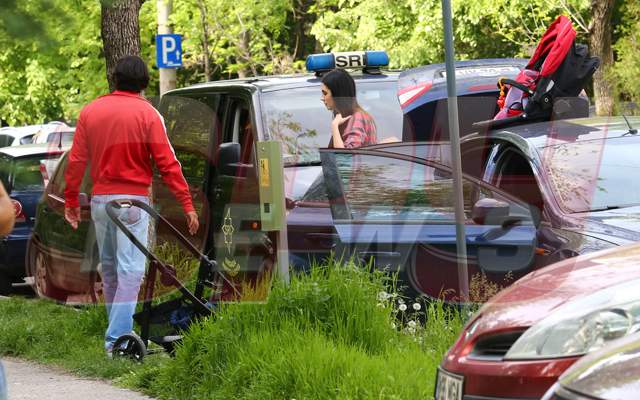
x=448, y=386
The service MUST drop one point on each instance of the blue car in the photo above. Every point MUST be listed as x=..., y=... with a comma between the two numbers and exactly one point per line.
x=21, y=174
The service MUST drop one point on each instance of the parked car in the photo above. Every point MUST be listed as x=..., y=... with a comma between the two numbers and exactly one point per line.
x=611, y=373
x=523, y=339
x=214, y=128
x=20, y=174
x=18, y=136
x=59, y=137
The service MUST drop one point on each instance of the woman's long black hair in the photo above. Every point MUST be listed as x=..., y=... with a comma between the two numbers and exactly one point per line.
x=343, y=91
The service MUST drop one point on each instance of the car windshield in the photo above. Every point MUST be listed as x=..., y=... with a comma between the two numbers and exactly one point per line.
x=27, y=175
x=593, y=175
x=298, y=118
x=21, y=174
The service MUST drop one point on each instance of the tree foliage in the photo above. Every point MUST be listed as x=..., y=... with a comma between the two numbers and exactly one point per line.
x=52, y=58
x=54, y=64
x=627, y=67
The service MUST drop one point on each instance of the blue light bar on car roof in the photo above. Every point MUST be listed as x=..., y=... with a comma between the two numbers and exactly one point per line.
x=354, y=59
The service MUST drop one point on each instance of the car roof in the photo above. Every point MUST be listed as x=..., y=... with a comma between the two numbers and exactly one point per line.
x=527, y=137
x=279, y=82
x=33, y=149
x=21, y=131
x=26, y=130
x=472, y=77
x=551, y=133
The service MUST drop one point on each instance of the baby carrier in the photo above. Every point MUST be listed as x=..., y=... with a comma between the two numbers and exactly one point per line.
x=557, y=72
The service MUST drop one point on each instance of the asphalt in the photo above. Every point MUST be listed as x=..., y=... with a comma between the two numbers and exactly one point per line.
x=30, y=381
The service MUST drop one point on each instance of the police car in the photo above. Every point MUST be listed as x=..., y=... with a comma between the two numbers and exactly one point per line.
x=216, y=127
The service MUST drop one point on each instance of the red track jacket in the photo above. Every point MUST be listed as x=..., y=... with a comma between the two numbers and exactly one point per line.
x=119, y=134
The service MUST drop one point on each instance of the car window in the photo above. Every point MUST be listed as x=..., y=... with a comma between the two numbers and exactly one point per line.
x=190, y=122
x=58, y=184
x=515, y=176
x=241, y=129
x=27, y=175
x=383, y=188
x=64, y=138
x=430, y=122
x=300, y=121
x=6, y=140
x=26, y=139
x=594, y=174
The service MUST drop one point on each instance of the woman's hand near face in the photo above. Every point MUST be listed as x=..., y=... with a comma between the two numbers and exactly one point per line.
x=339, y=120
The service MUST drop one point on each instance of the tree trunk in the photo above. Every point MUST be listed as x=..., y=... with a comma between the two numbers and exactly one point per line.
x=600, y=46
x=120, y=32
x=302, y=20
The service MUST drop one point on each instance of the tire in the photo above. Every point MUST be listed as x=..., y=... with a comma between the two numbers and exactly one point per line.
x=129, y=346
x=41, y=283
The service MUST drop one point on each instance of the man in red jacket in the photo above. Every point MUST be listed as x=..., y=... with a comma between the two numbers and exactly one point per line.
x=119, y=134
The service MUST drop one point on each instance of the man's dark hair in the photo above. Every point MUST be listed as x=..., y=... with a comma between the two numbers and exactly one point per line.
x=131, y=74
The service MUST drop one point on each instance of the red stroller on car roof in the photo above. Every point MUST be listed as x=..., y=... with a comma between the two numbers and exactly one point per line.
x=553, y=78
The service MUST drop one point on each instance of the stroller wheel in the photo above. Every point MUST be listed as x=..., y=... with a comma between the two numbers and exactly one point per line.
x=129, y=346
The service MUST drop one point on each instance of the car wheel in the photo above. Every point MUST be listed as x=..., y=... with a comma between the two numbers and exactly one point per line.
x=129, y=346
x=41, y=282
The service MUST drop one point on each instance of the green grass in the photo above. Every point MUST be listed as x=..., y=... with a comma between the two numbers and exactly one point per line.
x=327, y=335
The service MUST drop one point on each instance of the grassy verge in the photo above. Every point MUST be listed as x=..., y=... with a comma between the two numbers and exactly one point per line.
x=333, y=333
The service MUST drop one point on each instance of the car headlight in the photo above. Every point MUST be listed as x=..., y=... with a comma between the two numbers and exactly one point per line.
x=582, y=325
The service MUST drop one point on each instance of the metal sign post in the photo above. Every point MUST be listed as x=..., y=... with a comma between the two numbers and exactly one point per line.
x=168, y=48
x=454, y=135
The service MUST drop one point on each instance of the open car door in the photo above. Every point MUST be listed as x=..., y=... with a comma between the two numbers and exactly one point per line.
x=395, y=210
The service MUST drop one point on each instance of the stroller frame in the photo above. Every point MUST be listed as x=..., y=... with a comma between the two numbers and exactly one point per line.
x=132, y=345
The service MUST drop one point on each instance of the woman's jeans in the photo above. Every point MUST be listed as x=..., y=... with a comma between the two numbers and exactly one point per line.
x=123, y=264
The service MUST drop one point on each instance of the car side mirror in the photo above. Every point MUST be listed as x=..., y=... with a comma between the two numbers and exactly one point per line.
x=489, y=212
x=228, y=158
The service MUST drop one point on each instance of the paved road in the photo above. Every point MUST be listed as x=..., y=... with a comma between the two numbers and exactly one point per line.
x=29, y=381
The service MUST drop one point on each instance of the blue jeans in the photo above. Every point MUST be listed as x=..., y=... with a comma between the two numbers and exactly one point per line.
x=123, y=264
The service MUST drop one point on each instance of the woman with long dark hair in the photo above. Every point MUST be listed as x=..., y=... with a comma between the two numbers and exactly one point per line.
x=352, y=126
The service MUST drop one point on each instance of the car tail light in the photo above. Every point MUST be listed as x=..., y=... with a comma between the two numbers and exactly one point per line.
x=17, y=206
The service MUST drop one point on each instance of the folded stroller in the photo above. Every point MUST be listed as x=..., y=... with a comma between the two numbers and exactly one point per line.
x=559, y=69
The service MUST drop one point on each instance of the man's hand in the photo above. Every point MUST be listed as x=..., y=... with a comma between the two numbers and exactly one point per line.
x=72, y=215
x=192, y=222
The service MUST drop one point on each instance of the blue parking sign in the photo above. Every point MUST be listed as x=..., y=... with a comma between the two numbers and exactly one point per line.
x=169, y=51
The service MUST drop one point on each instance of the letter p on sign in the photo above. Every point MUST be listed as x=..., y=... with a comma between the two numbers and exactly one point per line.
x=169, y=51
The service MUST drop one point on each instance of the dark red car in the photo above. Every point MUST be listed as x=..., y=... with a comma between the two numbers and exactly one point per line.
x=521, y=341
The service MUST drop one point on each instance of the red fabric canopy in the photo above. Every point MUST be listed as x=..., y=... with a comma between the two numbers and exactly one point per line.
x=553, y=47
